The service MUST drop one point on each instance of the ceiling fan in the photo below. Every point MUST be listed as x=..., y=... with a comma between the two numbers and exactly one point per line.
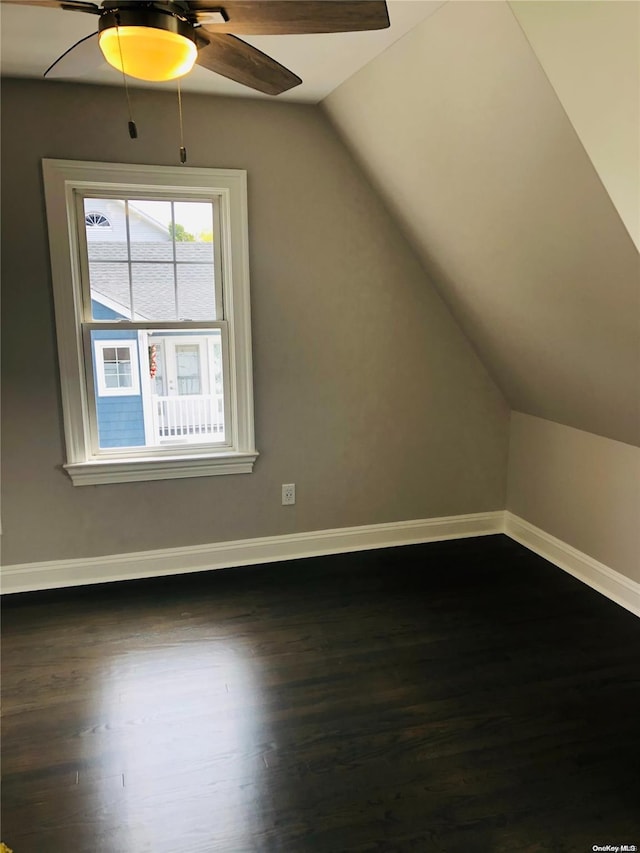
x=160, y=40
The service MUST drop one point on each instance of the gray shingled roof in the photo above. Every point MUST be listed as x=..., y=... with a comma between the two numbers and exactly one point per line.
x=154, y=290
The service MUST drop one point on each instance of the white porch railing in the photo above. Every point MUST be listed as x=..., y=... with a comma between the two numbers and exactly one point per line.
x=188, y=417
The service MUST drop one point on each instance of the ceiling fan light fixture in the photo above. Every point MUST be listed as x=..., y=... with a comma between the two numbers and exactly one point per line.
x=164, y=50
x=148, y=53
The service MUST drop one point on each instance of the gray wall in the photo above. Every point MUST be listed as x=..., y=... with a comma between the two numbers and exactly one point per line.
x=579, y=487
x=367, y=394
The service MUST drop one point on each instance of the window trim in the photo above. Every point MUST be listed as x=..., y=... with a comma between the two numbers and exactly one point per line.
x=63, y=181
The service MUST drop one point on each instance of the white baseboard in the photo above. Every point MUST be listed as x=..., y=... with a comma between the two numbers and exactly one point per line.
x=615, y=586
x=28, y=577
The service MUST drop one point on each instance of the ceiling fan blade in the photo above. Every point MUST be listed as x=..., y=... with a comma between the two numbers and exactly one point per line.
x=67, y=5
x=290, y=17
x=83, y=56
x=239, y=61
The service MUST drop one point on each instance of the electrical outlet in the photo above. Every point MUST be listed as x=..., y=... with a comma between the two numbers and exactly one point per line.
x=288, y=494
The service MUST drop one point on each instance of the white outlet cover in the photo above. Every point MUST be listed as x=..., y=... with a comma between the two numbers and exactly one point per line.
x=288, y=494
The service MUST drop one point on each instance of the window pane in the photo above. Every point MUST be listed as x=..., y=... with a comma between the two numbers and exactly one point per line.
x=196, y=294
x=124, y=376
x=106, y=230
x=194, y=230
x=187, y=402
x=155, y=230
x=160, y=387
x=150, y=230
x=154, y=296
x=110, y=295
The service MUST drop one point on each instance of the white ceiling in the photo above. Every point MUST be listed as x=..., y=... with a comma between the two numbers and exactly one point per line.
x=32, y=38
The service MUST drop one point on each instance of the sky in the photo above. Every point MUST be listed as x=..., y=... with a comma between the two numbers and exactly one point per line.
x=196, y=216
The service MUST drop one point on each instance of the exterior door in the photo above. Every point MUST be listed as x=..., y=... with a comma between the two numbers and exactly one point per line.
x=187, y=367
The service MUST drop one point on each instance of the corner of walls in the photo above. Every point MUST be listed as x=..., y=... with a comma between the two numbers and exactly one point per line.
x=579, y=489
x=605, y=580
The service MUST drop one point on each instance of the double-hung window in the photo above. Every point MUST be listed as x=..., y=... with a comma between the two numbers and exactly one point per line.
x=152, y=317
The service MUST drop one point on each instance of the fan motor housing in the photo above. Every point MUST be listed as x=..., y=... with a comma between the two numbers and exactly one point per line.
x=138, y=15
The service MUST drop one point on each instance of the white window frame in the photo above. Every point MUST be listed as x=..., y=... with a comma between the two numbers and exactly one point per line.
x=105, y=390
x=66, y=182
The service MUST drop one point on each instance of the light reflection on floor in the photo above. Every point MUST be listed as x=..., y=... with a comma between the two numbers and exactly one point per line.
x=201, y=775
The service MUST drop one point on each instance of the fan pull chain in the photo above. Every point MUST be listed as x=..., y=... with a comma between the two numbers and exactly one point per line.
x=133, y=130
x=183, y=150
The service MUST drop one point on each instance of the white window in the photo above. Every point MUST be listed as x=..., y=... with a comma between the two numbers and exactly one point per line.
x=95, y=219
x=153, y=322
x=116, y=365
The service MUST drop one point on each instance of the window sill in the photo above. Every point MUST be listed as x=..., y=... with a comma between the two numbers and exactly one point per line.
x=159, y=468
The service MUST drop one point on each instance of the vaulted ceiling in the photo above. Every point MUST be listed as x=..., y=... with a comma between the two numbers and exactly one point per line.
x=590, y=52
x=494, y=161
x=505, y=138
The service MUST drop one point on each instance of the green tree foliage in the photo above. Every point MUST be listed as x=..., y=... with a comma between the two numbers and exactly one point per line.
x=180, y=234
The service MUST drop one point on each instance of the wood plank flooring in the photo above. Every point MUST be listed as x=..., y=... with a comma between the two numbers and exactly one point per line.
x=463, y=696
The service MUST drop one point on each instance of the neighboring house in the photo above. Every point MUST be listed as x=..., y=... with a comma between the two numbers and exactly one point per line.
x=106, y=223
x=152, y=388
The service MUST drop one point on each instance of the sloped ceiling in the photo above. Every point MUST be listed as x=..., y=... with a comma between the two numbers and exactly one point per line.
x=590, y=51
x=460, y=129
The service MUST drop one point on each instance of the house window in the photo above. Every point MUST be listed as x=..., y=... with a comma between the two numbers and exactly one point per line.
x=116, y=368
x=153, y=323
x=94, y=219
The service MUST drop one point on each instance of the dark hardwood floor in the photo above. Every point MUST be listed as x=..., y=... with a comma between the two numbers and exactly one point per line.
x=462, y=696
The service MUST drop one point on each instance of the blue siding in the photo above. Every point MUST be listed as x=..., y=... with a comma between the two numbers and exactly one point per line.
x=120, y=421
x=120, y=418
x=101, y=312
